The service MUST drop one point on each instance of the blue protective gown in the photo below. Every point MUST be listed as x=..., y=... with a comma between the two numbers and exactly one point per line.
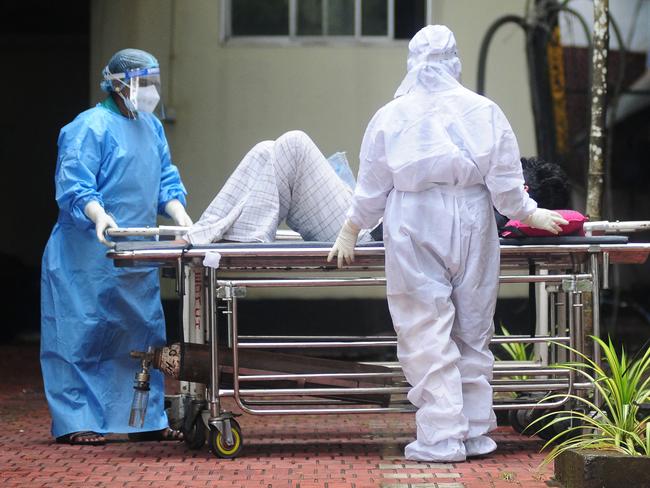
x=92, y=313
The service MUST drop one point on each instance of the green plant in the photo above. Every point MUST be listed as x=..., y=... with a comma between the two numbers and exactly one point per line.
x=615, y=424
x=517, y=351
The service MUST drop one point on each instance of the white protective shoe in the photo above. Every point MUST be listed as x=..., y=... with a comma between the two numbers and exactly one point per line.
x=479, y=446
x=447, y=451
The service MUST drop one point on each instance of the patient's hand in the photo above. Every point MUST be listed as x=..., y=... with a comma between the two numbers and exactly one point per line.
x=180, y=241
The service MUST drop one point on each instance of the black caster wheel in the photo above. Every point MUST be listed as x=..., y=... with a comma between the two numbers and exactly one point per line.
x=541, y=428
x=217, y=442
x=195, y=436
x=519, y=421
x=562, y=427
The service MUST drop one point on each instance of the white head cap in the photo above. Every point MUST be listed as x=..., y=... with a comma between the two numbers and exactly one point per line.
x=433, y=61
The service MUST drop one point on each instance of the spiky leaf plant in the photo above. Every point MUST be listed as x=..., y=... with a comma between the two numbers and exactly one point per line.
x=517, y=351
x=615, y=424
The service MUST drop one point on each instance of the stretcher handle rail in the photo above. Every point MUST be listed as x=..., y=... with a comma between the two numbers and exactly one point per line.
x=531, y=372
x=284, y=392
x=384, y=343
x=615, y=227
x=505, y=387
x=362, y=409
x=496, y=338
x=163, y=230
x=396, y=374
x=300, y=376
x=408, y=408
x=289, y=283
x=301, y=402
x=178, y=230
x=301, y=283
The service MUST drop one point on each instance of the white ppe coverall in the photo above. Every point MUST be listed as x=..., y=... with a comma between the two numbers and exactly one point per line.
x=433, y=162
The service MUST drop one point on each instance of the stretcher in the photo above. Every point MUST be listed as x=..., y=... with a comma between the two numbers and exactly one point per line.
x=277, y=375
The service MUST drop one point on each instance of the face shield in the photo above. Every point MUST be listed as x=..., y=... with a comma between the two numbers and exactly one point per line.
x=144, y=89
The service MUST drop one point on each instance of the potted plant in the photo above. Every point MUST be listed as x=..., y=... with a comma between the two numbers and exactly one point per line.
x=605, y=445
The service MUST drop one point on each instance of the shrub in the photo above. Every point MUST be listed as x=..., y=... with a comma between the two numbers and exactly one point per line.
x=616, y=424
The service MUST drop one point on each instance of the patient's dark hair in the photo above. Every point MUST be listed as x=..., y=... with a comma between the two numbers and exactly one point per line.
x=547, y=183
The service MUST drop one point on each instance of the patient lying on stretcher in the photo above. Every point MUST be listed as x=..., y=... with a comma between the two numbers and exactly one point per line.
x=290, y=180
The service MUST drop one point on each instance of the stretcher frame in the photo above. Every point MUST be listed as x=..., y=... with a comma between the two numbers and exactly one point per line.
x=564, y=272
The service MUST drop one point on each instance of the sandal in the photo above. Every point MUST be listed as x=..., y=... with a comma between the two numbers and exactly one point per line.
x=165, y=434
x=82, y=438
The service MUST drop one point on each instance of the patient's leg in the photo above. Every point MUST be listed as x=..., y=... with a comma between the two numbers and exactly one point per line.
x=247, y=207
x=313, y=199
x=284, y=179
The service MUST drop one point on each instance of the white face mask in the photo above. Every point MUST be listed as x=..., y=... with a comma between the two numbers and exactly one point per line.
x=146, y=99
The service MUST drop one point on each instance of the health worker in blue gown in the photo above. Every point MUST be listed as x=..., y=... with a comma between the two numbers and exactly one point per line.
x=113, y=169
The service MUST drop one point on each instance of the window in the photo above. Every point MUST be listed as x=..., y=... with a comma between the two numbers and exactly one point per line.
x=260, y=17
x=324, y=19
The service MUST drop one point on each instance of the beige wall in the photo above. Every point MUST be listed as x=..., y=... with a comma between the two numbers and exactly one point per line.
x=227, y=97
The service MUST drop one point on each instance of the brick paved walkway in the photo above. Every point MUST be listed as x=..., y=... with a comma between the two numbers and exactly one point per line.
x=351, y=451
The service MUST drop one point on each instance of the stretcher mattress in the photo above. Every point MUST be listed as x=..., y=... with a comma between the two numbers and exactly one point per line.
x=527, y=241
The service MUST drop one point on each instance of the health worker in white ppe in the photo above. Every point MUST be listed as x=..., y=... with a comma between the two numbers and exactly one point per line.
x=433, y=162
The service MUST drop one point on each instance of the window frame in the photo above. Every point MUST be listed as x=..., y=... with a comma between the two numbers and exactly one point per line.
x=226, y=37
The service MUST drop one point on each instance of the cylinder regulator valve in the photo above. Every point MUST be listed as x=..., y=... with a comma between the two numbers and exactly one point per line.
x=141, y=388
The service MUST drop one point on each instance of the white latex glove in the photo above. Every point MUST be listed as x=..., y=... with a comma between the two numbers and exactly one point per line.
x=344, y=245
x=95, y=212
x=546, y=220
x=174, y=208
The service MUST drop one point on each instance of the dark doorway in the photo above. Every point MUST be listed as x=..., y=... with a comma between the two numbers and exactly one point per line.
x=45, y=56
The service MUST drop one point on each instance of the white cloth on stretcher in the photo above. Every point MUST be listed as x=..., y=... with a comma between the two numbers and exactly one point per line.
x=286, y=179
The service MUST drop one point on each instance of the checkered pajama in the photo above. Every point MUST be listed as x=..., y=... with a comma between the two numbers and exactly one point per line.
x=286, y=179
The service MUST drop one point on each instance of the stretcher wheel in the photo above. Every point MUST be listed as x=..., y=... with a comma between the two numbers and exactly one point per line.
x=520, y=419
x=217, y=442
x=550, y=432
x=195, y=437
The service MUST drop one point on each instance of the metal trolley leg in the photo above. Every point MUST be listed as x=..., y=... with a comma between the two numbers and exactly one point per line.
x=595, y=301
x=225, y=438
x=214, y=405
